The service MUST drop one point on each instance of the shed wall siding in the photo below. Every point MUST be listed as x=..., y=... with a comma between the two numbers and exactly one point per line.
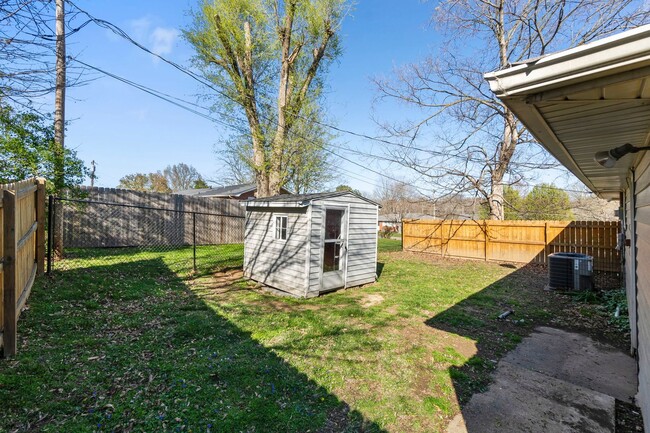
x=362, y=240
x=275, y=262
x=642, y=257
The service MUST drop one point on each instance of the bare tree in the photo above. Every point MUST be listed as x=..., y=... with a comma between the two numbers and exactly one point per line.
x=26, y=50
x=586, y=206
x=181, y=176
x=474, y=143
x=396, y=199
x=267, y=58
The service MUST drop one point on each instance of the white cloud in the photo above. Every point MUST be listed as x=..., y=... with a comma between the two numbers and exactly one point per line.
x=140, y=27
x=163, y=39
x=160, y=40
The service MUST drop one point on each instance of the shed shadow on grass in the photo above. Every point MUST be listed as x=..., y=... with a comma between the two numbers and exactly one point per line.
x=476, y=317
x=380, y=268
x=128, y=347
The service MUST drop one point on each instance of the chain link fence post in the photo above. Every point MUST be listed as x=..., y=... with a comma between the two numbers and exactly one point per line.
x=194, y=241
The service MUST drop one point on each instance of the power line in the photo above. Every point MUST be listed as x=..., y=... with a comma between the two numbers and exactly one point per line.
x=178, y=102
x=117, y=30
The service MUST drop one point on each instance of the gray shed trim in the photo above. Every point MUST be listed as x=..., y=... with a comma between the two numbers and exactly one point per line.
x=301, y=200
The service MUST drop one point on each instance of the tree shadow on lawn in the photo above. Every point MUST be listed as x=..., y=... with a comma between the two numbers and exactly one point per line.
x=178, y=259
x=128, y=347
x=476, y=317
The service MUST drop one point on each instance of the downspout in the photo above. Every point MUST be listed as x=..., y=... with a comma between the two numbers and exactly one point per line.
x=634, y=255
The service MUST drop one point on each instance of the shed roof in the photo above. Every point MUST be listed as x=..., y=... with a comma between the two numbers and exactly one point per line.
x=587, y=99
x=302, y=200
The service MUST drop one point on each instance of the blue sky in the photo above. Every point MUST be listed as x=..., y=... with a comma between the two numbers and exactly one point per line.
x=125, y=130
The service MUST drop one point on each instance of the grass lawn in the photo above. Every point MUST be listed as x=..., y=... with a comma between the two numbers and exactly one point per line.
x=133, y=346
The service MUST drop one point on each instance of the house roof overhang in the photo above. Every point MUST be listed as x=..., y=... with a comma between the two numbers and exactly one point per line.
x=587, y=99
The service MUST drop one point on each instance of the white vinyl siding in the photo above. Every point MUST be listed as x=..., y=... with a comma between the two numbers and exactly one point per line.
x=642, y=263
x=278, y=263
x=295, y=264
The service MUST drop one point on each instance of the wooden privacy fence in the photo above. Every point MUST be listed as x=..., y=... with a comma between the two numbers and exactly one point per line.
x=108, y=217
x=22, y=249
x=515, y=241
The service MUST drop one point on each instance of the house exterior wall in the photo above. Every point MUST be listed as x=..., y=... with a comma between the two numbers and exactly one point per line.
x=641, y=261
x=361, y=241
x=277, y=263
x=630, y=260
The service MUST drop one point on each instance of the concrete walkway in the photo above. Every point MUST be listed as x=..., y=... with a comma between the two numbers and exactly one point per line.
x=554, y=381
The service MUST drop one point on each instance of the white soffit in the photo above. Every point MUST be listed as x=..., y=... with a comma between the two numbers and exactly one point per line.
x=584, y=100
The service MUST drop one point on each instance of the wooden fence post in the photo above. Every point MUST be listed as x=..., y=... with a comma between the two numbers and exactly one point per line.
x=487, y=239
x=9, y=272
x=40, y=230
x=546, y=245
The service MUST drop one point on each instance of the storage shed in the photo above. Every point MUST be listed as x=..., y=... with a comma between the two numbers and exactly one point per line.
x=308, y=244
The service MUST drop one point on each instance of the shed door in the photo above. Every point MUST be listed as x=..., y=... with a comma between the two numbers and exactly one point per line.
x=334, y=249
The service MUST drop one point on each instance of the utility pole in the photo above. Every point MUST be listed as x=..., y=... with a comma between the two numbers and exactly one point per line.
x=59, y=124
x=59, y=97
x=92, y=173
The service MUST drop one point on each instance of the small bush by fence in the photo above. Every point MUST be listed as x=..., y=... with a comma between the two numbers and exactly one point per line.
x=22, y=249
x=515, y=241
x=98, y=234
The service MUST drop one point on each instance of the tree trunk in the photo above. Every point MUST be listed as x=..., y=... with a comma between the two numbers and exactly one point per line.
x=496, y=202
x=262, y=181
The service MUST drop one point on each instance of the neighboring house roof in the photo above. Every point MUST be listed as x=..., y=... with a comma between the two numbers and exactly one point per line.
x=233, y=191
x=587, y=99
x=393, y=217
x=222, y=191
x=301, y=200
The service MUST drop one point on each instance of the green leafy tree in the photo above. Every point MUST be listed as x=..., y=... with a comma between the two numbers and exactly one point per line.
x=307, y=164
x=27, y=150
x=152, y=182
x=546, y=202
x=348, y=188
x=267, y=59
x=200, y=184
x=512, y=203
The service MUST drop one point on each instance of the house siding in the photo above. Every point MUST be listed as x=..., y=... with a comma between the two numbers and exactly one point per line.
x=642, y=262
x=630, y=261
x=277, y=263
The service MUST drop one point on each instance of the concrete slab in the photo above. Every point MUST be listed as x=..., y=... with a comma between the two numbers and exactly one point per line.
x=521, y=400
x=579, y=360
x=554, y=381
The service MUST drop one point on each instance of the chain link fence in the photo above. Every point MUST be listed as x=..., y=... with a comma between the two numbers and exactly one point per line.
x=95, y=235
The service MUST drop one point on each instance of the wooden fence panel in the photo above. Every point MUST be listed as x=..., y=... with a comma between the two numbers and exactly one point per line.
x=22, y=249
x=515, y=241
x=148, y=219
